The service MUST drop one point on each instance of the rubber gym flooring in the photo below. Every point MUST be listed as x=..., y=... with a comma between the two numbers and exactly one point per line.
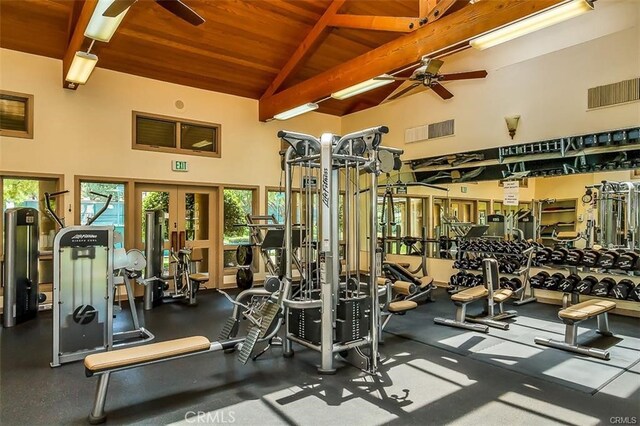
x=431, y=374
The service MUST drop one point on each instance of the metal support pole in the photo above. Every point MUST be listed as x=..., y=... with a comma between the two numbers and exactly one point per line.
x=97, y=413
x=374, y=267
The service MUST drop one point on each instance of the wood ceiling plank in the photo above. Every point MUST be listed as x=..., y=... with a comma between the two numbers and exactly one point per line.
x=194, y=49
x=375, y=23
x=304, y=49
x=77, y=40
x=441, y=9
x=452, y=29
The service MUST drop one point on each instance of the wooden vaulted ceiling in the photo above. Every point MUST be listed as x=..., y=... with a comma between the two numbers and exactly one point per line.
x=244, y=45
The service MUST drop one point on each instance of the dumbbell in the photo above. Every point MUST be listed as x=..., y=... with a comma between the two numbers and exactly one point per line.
x=476, y=280
x=559, y=255
x=603, y=288
x=590, y=257
x=627, y=261
x=537, y=281
x=553, y=281
x=622, y=289
x=586, y=285
x=634, y=294
x=608, y=259
x=513, y=284
x=475, y=263
x=574, y=257
x=567, y=285
x=544, y=255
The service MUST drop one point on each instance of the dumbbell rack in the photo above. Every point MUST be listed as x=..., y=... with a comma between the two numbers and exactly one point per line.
x=524, y=294
x=573, y=297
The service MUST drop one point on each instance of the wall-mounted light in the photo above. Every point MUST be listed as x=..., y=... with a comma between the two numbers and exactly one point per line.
x=512, y=124
x=102, y=27
x=365, y=86
x=296, y=111
x=81, y=67
x=533, y=23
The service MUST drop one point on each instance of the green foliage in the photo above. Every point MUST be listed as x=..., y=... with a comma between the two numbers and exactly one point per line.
x=237, y=204
x=18, y=191
x=156, y=201
x=114, y=189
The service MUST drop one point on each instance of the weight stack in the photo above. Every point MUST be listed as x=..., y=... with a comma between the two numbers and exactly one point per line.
x=352, y=322
x=306, y=324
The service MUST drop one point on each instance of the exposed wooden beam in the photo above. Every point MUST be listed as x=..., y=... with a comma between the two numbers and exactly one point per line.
x=426, y=6
x=440, y=9
x=376, y=23
x=308, y=45
x=77, y=40
x=455, y=28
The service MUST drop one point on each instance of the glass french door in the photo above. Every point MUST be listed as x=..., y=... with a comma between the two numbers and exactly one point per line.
x=188, y=215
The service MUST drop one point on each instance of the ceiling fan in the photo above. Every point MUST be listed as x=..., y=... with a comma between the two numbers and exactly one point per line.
x=176, y=7
x=427, y=76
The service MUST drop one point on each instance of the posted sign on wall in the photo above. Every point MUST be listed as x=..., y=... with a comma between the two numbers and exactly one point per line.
x=511, y=193
x=179, y=166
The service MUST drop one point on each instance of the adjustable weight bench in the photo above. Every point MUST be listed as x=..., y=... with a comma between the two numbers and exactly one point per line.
x=575, y=314
x=491, y=293
x=105, y=363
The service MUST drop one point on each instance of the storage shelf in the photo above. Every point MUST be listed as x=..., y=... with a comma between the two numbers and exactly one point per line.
x=558, y=211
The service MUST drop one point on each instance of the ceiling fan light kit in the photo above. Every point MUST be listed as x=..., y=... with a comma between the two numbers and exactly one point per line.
x=81, y=67
x=545, y=19
x=362, y=87
x=100, y=27
x=294, y=112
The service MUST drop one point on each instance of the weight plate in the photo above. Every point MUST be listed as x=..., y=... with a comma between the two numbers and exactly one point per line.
x=244, y=278
x=244, y=255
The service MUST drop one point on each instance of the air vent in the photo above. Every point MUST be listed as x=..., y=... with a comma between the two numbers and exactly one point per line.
x=615, y=93
x=429, y=131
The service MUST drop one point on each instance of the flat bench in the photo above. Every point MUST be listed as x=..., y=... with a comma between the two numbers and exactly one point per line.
x=491, y=293
x=575, y=314
x=105, y=363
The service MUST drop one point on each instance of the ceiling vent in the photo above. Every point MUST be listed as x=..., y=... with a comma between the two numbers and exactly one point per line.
x=615, y=93
x=429, y=131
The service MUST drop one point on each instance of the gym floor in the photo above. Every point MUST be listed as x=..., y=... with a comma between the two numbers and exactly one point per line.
x=431, y=375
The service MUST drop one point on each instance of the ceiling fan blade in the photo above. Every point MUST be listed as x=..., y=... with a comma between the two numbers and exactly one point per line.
x=441, y=91
x=463, y=75
x=117, y=7
x=401, y=90
x=181, y=10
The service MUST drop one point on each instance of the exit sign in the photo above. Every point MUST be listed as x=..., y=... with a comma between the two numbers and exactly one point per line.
x=179, y=166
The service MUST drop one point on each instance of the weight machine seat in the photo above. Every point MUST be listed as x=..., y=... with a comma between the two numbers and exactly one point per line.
x=567, y=235
x=404, y=287
x=201, y=277
x=586, y=310
x=401, y=306
x=404, y=264
x=501, y=295
x=382, y=281
x=470, y=294
x=425, y=282
x=130, y=357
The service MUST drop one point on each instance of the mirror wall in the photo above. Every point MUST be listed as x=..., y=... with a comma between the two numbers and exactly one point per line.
x=439, y=212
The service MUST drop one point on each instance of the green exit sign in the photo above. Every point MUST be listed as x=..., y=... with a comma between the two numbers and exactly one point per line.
x=179, y=166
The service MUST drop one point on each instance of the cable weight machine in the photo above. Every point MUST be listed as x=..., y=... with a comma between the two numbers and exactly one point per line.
x=333, y=312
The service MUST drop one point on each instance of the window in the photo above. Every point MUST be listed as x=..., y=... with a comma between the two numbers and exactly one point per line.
x=90, y=204
x=275, y=205
x=16, y=115
x=167, y=134
x=237, y=204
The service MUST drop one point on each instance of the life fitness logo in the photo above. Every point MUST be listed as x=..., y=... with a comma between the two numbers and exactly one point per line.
x=84, y=314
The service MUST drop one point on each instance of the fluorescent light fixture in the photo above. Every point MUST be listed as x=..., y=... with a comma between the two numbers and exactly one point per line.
x=296, y=111
x=81, y=67
x=365, y=86
x=100, y=27
x=533, y=23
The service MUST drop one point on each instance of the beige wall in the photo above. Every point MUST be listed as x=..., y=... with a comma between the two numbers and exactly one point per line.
x=88, y=132
x=543, y=77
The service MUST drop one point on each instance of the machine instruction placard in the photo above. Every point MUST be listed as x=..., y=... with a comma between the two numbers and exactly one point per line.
x=511, y=193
